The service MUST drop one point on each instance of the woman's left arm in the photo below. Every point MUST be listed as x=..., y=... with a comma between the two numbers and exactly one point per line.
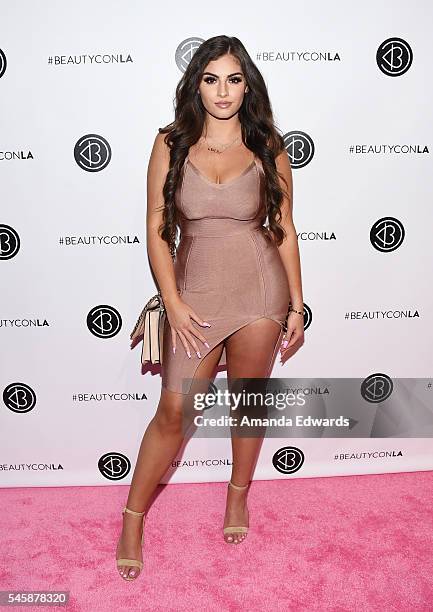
x=289, y=252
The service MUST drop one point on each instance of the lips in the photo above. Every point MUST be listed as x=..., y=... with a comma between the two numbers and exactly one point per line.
x=223, y=104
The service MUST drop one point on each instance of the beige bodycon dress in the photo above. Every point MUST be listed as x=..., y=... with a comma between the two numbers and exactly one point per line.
x=225, y=268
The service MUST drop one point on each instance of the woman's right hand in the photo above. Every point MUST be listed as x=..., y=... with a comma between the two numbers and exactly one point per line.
x=179, y=315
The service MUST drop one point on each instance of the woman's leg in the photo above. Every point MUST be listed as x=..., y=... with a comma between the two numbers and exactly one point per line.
x=250, y=353
x=160, y=444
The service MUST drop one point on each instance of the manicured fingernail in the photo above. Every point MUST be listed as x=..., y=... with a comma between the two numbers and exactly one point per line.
x=198, y=353
x=206, y=344
x=189, y=354
x=207, y=324
x=285, y=343
x=174, y=350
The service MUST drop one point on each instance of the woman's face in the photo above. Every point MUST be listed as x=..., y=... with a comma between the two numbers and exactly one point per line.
x=222, y=87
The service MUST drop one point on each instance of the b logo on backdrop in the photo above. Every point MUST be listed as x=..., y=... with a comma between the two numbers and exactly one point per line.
x=104, y=321
x=19, y=397
x=300, y=148
x=377, y=388
x=288, y=460
x=9, y=241
x=92, y=152
x=185, y=50
x=387, y=234
x=114, y=466
x=394, y=56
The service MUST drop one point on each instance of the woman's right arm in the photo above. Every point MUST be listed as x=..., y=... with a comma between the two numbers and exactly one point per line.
x=157, y=248
x=179, y=313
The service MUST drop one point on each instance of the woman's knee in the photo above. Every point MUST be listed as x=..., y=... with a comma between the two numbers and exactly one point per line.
x=170, y=412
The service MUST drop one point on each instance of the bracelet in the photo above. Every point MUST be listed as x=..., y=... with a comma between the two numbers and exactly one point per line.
x=297, y=311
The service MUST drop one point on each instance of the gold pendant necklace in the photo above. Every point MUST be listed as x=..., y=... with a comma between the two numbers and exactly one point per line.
x=224, y=147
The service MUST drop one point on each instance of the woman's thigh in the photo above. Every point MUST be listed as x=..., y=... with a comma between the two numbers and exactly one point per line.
x=251, y=351
x=173, y=406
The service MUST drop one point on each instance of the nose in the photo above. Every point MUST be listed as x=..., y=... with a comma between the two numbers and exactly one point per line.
x=222, y=90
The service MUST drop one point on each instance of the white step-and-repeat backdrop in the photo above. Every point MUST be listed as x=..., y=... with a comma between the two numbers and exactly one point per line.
x=84, y=87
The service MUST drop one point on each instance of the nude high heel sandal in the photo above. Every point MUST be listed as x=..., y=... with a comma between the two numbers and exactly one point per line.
x=240, y=529
x=132, y=562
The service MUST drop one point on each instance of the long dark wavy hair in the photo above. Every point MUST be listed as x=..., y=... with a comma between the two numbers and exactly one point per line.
x=259, y=133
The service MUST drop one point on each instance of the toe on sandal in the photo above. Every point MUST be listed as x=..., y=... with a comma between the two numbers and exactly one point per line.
x=131, y=562
x=239, y=529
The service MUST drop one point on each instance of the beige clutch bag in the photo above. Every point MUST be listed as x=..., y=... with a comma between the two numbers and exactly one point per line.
x=150, y=329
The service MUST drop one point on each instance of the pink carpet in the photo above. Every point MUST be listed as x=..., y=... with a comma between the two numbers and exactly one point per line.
x=354, y=543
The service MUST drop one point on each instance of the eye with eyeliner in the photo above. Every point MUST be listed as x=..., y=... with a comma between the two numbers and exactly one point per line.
x=210, y=80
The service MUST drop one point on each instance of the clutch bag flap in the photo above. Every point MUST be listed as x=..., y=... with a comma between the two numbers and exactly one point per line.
x=153, y=336
x=155, y=303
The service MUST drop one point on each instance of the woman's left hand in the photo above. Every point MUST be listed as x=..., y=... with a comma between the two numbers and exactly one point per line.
x=293, y=335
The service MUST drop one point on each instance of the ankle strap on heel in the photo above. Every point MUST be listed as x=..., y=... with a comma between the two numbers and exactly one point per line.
x=237, y=486
x=125, y=509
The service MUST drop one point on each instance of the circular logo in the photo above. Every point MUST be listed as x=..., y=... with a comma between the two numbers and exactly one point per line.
x=92, y=153
x=308, y=318
x=3, y=63
x=104, y=321
x=9, y=241
x=288, y=459
x=114, y=466
x=299, y=147
x=186, y=50
x=394, y=56
x=19, y=397
x=387, y=234
x=376, y=388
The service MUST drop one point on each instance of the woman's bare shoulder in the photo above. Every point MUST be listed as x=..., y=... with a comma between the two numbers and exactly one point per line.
x=159, y=160
x=160, y=147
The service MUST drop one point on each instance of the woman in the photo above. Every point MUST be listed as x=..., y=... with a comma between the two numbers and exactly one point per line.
x=217, y=173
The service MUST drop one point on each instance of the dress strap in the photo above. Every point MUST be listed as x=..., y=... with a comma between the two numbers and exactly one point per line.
x=185, y=161
x=258, y=163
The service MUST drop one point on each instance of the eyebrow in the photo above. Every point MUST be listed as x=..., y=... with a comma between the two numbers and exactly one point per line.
x=228, y=76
